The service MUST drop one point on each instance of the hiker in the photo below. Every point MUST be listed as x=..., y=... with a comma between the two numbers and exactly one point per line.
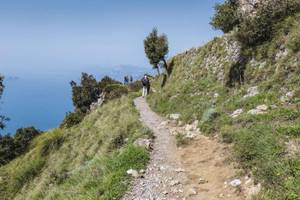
x=146, y=85
x=125, y=80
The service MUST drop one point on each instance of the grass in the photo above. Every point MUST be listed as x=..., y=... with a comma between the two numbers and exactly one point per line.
x=87, y=161
x=196, y=89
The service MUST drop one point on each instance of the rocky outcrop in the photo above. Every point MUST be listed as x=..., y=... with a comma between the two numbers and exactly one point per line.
x=99, y=103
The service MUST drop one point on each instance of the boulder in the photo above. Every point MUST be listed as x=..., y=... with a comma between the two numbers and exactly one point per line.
x=237, y=113
x=262, y=109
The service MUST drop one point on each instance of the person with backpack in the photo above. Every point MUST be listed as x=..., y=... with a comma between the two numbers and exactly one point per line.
x=146, y=85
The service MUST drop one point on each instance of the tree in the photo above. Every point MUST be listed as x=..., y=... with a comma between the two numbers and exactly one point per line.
x=23, y=137
x=2, y=118
x=156, y=48
x=7, y=149
x=226, y=16
x=86, y=93
x=11, y=147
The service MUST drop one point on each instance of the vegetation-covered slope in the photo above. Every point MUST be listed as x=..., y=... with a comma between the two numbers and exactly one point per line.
x=210, y=83
x=87, y=161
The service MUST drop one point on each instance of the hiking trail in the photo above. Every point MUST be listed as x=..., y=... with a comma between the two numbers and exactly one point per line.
x=196, y=171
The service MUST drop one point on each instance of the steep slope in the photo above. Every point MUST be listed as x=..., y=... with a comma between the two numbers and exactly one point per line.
x=88, y=161
x=250, y=97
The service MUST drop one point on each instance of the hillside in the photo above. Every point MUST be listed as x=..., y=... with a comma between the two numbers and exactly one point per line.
x=88, y=161
x=249, y=97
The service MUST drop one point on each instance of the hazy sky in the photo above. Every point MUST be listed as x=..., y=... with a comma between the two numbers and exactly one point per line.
x=51, y=36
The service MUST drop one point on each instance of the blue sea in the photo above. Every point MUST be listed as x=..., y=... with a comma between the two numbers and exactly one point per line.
x=43, y=101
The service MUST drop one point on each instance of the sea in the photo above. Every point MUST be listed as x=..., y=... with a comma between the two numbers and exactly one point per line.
x=42, y=101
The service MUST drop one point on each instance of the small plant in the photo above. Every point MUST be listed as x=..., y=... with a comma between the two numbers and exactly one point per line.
x=181, y=140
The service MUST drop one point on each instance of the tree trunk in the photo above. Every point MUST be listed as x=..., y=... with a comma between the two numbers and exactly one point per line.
x=166, y=66
x=158, y=72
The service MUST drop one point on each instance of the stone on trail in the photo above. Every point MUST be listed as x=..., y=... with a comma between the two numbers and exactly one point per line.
x=191, y=192
x=202, y=181
x=175, y=116
x=235, y=183
x=179, y=170
x=175, y=182
x=133, y=173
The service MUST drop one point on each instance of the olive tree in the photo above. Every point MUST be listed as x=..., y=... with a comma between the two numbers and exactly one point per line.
x=156, y=48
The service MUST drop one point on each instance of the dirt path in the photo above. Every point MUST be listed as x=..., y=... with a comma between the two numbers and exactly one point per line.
x=198, y=171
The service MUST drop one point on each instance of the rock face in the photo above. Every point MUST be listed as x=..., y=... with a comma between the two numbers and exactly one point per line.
x=249, y=6
x=99, y=103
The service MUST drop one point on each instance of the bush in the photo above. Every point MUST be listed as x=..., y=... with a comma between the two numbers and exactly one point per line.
x=23, y=137
x=293, y=42
x=181, y=140
x=226, y=17
x=11, y=147
x=72, y=119
x=255, y=30
x=115, y=91
x=89, y=90
x=135, y=86
x=293, y=130
x=86, y=93
x=261, y=27
x=7, y=149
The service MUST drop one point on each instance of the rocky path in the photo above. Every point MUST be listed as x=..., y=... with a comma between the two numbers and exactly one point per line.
x=198, y=171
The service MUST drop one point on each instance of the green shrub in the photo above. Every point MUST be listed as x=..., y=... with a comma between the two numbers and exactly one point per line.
x=226, y=16
x=261, y=27
x=181, y=140
x=23, y=137
x=255, y=30
x=293, y=42
x=14, y=146
x=135, y=86
x=255, y=145
x=72, y=119
x=115, y=91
